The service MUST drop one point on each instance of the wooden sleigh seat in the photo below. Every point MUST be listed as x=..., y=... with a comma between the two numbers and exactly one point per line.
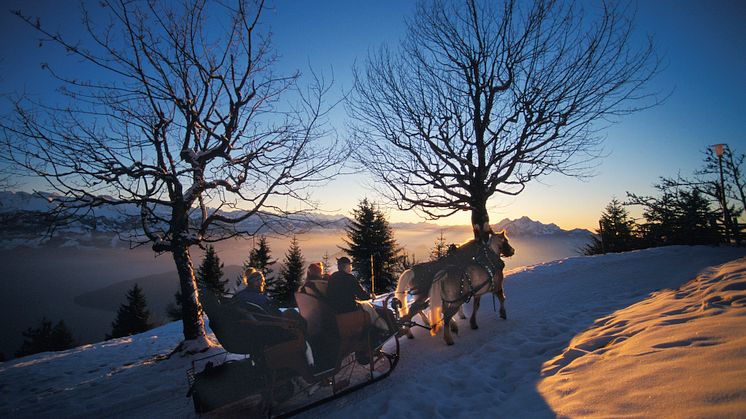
x=332, y=336
x=273, y=342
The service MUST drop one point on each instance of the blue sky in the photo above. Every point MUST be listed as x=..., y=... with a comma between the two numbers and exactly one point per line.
x=702, y=43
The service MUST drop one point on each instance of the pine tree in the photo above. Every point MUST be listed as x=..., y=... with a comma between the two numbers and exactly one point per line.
x=132, y=317
x=325, y=262
x=210, y=273
x=615, y=233
x=370, y=236
x=46, y=338
x=696, y=220
x=681, y=215
x=440, y=249
x=261, y=259
x=291, y=276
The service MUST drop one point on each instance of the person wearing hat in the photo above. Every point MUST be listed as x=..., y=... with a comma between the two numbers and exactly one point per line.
x=344, y=289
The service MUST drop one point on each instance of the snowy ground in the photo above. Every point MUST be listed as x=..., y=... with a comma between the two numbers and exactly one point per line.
x=584, y=337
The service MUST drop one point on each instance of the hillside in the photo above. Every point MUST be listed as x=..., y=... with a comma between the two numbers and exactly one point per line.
x=577, y=328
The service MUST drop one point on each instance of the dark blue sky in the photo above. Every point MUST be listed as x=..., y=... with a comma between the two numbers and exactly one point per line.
x=702, y=43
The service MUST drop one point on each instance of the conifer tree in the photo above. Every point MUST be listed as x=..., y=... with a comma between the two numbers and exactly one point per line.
x=46, y=338
x=132, y=317
x=440, y=249
x=325, y=261
x=210, y=273
x=369, y=235
x=261, y=259
x=681, y=215
x=291, y=276
x=615, y=233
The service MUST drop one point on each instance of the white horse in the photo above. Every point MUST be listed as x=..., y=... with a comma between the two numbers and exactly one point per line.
x=430, y=282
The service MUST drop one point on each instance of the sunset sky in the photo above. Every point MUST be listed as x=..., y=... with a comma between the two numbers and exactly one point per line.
x=701, y=43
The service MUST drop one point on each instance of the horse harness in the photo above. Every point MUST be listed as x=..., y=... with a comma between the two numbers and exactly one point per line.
x=487, y=260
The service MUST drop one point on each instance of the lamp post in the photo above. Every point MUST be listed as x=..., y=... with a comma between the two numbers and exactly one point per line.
x=719, y=149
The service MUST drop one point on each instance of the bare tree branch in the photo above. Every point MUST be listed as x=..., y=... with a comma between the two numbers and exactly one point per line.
x=185, y=113
x=482, y=97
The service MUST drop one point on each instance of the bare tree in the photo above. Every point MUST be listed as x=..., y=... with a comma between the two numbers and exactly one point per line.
x=482, y=97
x=187, y=121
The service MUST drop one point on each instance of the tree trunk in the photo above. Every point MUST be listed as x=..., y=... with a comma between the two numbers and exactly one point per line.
x=480, y=221
x=191, y=309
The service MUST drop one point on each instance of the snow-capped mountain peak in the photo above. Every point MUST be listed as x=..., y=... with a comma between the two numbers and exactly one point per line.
x=525, y=226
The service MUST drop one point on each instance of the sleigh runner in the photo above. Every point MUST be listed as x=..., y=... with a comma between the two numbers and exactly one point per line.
x=274, y=377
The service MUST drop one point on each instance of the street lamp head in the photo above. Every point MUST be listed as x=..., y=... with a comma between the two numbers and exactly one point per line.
x=719, y=148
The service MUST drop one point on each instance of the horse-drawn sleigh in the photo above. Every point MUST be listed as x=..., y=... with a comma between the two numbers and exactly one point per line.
x=266, y=369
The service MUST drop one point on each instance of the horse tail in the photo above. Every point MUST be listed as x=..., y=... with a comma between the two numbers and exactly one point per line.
x=402, y=286
x=436, y=302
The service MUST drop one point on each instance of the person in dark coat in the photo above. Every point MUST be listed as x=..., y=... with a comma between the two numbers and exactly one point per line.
x=344, y=289
x=253, y=296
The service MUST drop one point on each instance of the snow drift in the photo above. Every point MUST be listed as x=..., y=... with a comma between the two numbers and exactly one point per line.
x=584, y=337
x=679, y=353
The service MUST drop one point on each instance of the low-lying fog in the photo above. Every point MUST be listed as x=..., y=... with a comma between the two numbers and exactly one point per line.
x=84, y=286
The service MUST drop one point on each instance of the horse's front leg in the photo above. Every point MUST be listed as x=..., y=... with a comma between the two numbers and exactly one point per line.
x=499, y=278
x=448, y=324
x=475, y=307
x=447, y=331
x=501, y=296
x=461, y=314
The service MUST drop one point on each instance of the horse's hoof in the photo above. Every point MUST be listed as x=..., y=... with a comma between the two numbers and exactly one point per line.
x=503, y=316
x=449, y=343
x=474, y=326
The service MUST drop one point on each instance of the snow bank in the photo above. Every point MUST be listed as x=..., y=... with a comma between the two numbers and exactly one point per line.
x=588, y=324
x=679, y=353
x=128, y=377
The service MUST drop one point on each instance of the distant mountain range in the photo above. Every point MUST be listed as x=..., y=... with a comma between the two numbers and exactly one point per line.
x=25, y=221
x=525, y=226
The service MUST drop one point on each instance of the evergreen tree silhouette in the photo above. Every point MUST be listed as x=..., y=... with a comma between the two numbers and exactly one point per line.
x=369, y=235
x=46, y=338
x=291, y=276
x=132, y=317
x=681, y=215
x=325, y=260
x=261, y=259
x=440, y=249
x=210, y=273
x=616, y=232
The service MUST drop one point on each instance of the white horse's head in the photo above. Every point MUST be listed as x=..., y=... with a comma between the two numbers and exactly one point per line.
x=499, y=244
